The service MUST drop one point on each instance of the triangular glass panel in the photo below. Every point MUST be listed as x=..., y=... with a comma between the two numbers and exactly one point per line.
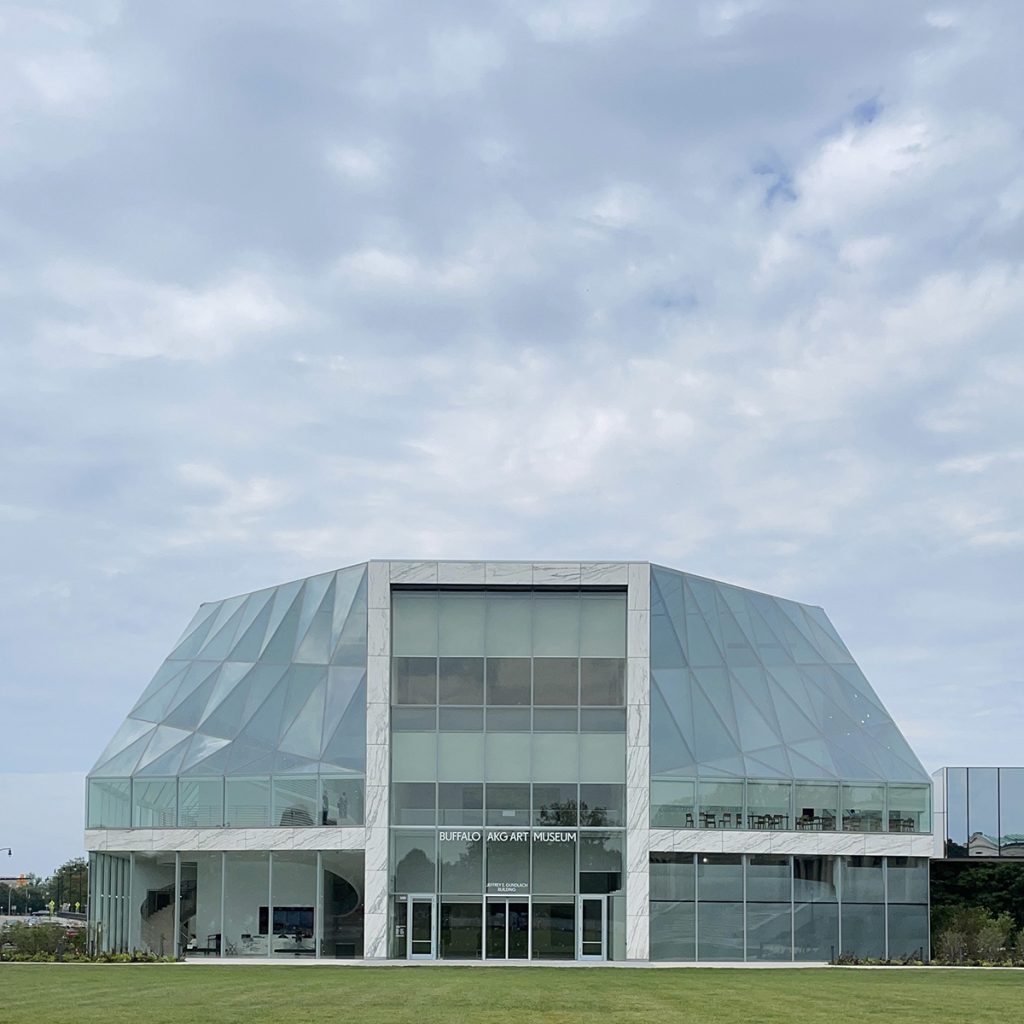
x=313, y=592
x=279, y=648
x=218, y=646
x=162, y=740
x=669, y=750
x=155, y=706
x=201, y=747
x=188, y=713
x=254, y=604
x=343, y=684
x=129, y=731
x=302, y=680
x=715, y=684
x=189, y=647
x=712, y=738
x=166, y=764
x=124, y=763
x=349, y=584
x=164, y=674
x=347, y=747
x=304, y=735
x=776, y=759
x=230, y=675
x=198, y=673
x=281, y=605
x=251, y=639
x=315, y=647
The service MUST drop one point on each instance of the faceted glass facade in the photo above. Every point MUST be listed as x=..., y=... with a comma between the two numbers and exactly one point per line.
x=980, y=812
x=511, y=761
x=761, y=719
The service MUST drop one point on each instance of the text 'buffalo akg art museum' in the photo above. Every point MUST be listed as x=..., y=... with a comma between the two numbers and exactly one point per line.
x=506, y=760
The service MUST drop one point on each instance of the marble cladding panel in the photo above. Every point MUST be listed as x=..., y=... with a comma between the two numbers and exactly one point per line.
x=508, y=572
x=376, y=761
x=413, y=572
x=464, y=573
x=377, y=892
x=378, y=714
x=378, y=640
x=638, y=809
x=638, y=681
x=638, y=936
x=378, y=585
x=376, y=806
x=638, y=633
x=604, y=574
x=638, y=772
x=565, y=573
x=870, y=844
x=638, y=724
x=378, y=680
x=639, y=577
x=375, y=935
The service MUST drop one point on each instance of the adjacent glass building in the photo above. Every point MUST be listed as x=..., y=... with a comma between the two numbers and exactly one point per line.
x=496, y=760
x=979, y=812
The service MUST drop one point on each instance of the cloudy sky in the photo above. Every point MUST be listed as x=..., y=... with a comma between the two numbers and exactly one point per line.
x=733, y=286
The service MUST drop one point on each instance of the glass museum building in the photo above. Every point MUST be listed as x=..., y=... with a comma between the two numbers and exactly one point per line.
x=510, y=760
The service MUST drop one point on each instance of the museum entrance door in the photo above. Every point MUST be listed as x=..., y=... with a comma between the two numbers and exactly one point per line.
x=507, y=929
x=593, y=928
x=421, y=928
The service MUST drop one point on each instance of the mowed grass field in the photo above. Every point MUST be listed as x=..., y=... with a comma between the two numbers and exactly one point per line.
x=182, y=994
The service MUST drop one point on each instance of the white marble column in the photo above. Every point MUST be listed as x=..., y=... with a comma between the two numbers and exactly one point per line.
x=638, y=760
x=378, y=738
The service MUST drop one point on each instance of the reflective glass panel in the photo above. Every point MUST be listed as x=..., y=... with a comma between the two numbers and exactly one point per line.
x=816, y=806
x=414, y=623
x=814, y=879
x=507, y=804
x=815, y=931
x=603, y=625
x=200, y=803
x=603, y=681
x=154, y=803
x=1011, y=812
x=509, y=630
x=863, y=808
x=295, y=801
x=556, y=681
x=768, y=879
x=554, y=861
x=247, y=803
x=908, y=931
x=769, y=804
x=508, y=861
x=110, y=804
x=461, y=624
x=719, y=877
x=864, y=929
x=908, y=879
x=673, y=931
x=720, y=931
x=721, y=804
x=555, y=804
x=343, y=909
x=602, y=805
x=508, y=681
x=672, y=876
x=413, y=858
x=554, y=928
x=673, y=803
x=862, y=880
x=556, y=625
x=461, y=680
x=461, y=929
x=983, y=812
x=461, y=853
x=414, y=680
x=956, y=812
x=412, y=803
x=769, y=931
x=341, y=801
x=910, y=808
x=461, y=803
x=601, y=868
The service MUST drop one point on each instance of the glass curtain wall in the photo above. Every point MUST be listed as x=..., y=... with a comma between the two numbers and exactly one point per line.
x=774, y=907
x=794, y=806
x=109, y=902
x=508, y=766
x=984, y=812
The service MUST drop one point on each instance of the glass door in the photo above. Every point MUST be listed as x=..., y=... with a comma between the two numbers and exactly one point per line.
x=421, y=928
x=508, y=930
x=593, y=928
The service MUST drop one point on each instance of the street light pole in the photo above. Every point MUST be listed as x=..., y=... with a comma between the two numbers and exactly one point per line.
x=10, y=888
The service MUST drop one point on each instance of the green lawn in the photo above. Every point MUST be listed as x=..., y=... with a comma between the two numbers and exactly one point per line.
x=181, y=994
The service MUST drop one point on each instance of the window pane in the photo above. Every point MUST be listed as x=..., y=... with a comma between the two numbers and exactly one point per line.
x=154, y=803
x=603, y=625
x=460, y=755
x=460, y=803
x=769, y=931
x=414, y=757
x=414, y=681
x=412, y=859
x=110, y=804
x=555, y=805
x=200, y=803
x=603, y=720
x=719, y=877
x=461, y=627
x=555, y=720
x=295, y=803
x=556, y=625
x=461, y=719
x=554, y=861
x=816, y=806
x=508, y=756
x=247, y=803
x=414, y=623
x=554, y=929
x=462, y=680
x=864, y=929
x=461, y=930
x=862, y=881
x=721, y=804
x=908, y=931
x=768, y=879
x=293, y=925
x=673, y=931
x=509, y=630
x=956, y=812
x=814, y=880
x=863, y=807
x=720, y=933
x=768, y=804
x=201, y=929
x=412, y=803
x=910, y=808
x=508, y=861
x=602, y=804
x=673, y=803
x=1011, y=812
x=507, y=804
x=343, y=908
x=555, y=757
x=816, y=930
x=673, y=876
x=508, y=680
x=246, y=898
x=556, y=681
x=341, y=801
x=601, y=869
x=603, y=681
x=908, y=879
x=982, y=812
x=602, y=757
x=462, y=861
x=508, y=719
x=413, y=719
